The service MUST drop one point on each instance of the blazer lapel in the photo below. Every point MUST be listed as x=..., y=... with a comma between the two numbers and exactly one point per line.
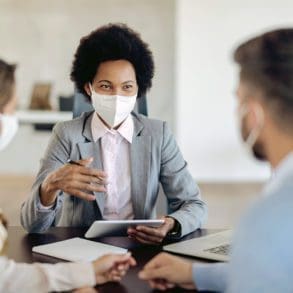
x=88, y=149
x=140, y=157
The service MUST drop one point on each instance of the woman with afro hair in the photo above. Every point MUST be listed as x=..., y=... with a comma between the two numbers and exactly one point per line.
x=118, y=157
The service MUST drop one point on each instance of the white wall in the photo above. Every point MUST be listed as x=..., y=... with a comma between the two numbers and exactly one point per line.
x=41, y=36
x=207, y=33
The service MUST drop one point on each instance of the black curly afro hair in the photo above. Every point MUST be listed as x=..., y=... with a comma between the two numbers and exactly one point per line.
x=112, y=42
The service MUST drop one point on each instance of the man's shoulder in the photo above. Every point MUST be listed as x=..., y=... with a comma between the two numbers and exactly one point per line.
x=261, y=258
x=278, y=199
x=271, y=212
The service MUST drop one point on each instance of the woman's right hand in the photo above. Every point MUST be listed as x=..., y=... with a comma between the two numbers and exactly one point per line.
x=76, y=180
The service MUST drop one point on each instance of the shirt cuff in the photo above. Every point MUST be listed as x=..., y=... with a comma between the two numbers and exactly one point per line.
x=68, y=276
x=210, y=277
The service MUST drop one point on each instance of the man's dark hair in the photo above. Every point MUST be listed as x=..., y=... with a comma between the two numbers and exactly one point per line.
x=266, y=62
x=112, y=42
x=7, y=81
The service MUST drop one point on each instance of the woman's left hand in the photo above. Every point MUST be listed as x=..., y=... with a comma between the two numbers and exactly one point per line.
x=150, y=235
x=112, y=267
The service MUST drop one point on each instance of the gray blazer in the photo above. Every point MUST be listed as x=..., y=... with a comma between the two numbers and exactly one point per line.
x=155, y=159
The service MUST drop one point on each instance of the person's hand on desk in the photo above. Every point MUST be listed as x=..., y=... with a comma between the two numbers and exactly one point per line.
x=166, y=271
x=112, y=267
x=151, y=235
x=76, y=179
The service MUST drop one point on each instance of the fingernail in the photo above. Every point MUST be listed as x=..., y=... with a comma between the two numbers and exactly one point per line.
x=103, y=176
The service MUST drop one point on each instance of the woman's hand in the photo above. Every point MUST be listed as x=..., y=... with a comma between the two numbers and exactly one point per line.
x=77, y=180
x=150, y=235
x=112, y=267
x=166, y=271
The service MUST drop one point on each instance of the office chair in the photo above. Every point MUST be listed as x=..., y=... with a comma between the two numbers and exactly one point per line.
x=80, y=105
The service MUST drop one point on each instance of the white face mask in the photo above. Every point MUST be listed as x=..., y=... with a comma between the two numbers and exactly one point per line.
x=254, y=133
x=3, y=234
x=114, y=109
x=8, y=129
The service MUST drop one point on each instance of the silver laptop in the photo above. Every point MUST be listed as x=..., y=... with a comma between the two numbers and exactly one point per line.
x=213, y=246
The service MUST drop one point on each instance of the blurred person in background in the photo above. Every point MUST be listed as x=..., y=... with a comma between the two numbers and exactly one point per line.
x=36, y=278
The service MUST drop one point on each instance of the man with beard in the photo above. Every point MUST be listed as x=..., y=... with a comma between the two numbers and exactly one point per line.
x=261, y=257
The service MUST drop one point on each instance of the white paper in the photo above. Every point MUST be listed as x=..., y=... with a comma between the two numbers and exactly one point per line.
x=78, y=249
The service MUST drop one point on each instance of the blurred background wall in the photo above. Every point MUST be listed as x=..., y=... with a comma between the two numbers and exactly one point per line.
x=207, y=32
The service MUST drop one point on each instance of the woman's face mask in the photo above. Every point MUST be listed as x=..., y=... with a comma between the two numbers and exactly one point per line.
x=114, y=109
x=8, y=129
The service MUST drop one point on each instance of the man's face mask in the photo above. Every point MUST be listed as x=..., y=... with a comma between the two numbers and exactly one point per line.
x=114, y=109
x=3, y=232
x=250, y=136
x=8, y=129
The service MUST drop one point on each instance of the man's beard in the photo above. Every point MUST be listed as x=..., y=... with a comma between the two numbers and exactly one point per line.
x=257, y=149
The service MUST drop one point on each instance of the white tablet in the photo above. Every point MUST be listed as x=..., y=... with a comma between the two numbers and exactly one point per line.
x=117, y=227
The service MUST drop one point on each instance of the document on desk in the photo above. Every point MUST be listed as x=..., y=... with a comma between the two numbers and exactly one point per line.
x=77, y=249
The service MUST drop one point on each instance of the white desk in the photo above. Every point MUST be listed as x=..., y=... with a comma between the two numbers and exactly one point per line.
x=42, y=117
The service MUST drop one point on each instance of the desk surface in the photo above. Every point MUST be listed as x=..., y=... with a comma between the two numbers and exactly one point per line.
x=20, y=249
